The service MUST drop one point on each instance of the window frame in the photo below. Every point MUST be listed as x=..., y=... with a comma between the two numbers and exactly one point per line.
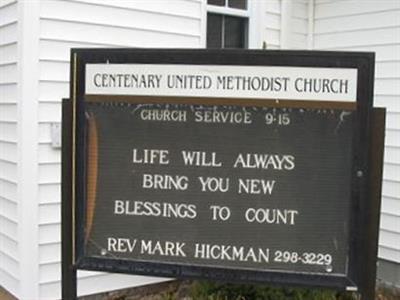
x=253, y=13
x=230, y=12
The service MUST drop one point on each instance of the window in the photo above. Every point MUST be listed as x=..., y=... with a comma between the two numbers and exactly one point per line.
x=227, y=23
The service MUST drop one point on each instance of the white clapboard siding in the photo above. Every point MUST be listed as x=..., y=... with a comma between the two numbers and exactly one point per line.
x=50, y=253
x=372, y=26
x=86, y=24
x=390, y=205
x=8, y=91
x=53, y=91
x=391, y=155
x=122, y=18
x=357, y=38
x=8, y=32
x=90, y=284
x=9, y=266
x=359, y=22
x=8, y=53
x=333, y=9
x=51, y=272
x=123, y=37
x=8, y=13
x=49, y=193
x=391, y=223
x=299, y=24
x=271, y=21
x=297, y=20
x=181, y=8
x=56, y=50
x=390, y=171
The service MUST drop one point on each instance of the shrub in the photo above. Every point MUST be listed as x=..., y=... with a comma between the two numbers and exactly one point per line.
x=204, y=290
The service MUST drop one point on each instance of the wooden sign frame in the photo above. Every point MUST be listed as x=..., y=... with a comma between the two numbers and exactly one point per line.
x=366, y=169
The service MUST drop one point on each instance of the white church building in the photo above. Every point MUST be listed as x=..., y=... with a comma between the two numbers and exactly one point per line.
x=35, y=41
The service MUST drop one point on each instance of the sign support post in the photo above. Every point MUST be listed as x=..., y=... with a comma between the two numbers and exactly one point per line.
x=68, y=269
x=375, y=181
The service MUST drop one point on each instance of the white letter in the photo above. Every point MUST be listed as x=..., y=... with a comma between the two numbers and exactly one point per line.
x=147, y=181
x=135, y=160
x=119, y=207
x=112, y=243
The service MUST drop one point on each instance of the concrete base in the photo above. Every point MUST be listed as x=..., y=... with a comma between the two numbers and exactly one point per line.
x=389, y=273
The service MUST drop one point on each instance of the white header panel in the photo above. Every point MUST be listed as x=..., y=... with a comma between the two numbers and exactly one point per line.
x=223, y=81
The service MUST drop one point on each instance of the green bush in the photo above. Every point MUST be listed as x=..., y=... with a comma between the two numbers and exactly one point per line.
x=204, y=290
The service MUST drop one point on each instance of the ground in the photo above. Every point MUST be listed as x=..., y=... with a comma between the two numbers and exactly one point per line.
x=181, y=290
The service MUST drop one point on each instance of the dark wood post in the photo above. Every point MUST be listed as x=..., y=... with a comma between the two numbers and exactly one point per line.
x=377, y=142
x=68, y=273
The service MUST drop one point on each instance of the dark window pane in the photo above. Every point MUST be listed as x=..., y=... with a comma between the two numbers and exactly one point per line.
x=241, y=4
x=216, y=2
x=214, y=31
x=234, y=32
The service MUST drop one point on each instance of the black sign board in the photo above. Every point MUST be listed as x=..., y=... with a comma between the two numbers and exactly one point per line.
x=271, y=192
x=255, y=183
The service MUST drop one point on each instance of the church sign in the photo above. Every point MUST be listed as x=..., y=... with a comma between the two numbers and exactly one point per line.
x=249, y=166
